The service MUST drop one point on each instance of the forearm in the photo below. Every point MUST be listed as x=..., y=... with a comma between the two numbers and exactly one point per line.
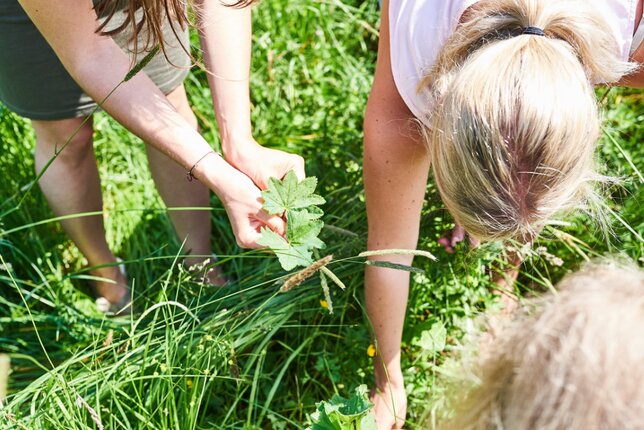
x=144, y=110
x=99, y=66
x=391, y=157
x=225, y=35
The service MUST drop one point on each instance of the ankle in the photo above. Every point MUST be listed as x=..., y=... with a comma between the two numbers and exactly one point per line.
x=111, y=283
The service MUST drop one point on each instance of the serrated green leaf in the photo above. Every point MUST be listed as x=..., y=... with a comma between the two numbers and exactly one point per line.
x=433, y=340
x=304, y=228
x=289, y=194
x=297, y=201
x=290, y=255
x=345, y=414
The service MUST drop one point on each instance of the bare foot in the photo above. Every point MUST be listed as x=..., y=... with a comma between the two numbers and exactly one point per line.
x=206, y=269
x=390, y=406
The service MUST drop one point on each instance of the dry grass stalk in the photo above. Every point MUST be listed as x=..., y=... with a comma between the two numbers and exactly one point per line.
x=305, y=274
x=415, y=252
x=334, y=278
x=326, y=292
x=80, y=402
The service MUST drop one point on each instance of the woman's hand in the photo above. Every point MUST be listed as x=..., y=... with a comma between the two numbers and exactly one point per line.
x=241, y=198
x=260, y=163
x=454, y=236
x=243, y=203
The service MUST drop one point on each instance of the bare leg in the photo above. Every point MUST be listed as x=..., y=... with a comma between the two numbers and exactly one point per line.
x=71, y=185
x=175, y=190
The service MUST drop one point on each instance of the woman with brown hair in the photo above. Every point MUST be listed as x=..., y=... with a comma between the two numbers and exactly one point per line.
x=498, y=97
x=52, y=49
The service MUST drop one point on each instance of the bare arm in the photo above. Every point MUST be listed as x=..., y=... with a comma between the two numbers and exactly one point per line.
x=98, y=65
x=225, y=35
x=395, y=174
x=636, y=80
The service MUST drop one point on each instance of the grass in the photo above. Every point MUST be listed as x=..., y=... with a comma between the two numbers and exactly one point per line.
x=249, y=356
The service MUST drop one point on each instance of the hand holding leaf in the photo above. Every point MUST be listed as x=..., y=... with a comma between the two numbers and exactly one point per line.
x=295, y=200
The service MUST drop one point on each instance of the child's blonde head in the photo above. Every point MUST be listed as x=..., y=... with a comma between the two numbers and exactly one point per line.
x=515, y=120
x=576, y=362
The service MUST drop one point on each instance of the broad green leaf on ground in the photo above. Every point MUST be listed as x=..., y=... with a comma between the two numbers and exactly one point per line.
x=289, y=194
x=433, y=340
x=290, y=255
x=345, y=414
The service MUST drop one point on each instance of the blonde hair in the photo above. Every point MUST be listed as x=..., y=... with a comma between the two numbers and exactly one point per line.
x=515, y=119
x=575, y=363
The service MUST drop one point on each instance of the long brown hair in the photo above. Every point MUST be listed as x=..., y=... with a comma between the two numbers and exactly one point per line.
x=154, y=13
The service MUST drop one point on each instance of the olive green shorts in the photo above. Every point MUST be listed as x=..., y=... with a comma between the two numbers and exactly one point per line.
x=34, y=84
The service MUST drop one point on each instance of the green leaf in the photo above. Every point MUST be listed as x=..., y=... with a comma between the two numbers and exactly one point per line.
x=345, y=414
x=297, y=201
x=289, y=194
x=304, y=228
x=289, y=255
x=433, y=340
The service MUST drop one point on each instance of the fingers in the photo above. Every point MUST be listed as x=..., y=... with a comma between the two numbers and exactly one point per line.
x=248, y=235
x=458, y=234
x=274, y=222
x=452, y=238
x=444, y=242
x=298, y=167
x=248, y=239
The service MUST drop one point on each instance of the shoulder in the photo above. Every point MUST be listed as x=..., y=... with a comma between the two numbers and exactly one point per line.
x=418, y=29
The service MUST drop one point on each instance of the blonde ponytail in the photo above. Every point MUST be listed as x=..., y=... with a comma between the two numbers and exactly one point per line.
x=515, y=121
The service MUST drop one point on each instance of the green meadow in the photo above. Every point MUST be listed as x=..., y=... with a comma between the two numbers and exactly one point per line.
x=247, y=355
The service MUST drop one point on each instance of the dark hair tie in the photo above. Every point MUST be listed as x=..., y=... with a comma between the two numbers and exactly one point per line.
x=535, y=31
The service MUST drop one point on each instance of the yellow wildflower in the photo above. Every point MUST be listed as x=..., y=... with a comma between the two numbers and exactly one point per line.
x=371, y=351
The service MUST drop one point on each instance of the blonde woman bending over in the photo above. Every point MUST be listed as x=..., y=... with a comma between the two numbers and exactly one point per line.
x=576, y=362
x=503, y=93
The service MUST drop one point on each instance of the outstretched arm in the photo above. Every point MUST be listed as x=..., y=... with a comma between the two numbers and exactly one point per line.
x=225, y=34
x=396, y=166
x=98, y=65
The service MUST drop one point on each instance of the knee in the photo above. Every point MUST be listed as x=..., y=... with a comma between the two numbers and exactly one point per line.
x=72, y=144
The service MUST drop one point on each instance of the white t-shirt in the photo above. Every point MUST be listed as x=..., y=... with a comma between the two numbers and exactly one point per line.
x=418, y=29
